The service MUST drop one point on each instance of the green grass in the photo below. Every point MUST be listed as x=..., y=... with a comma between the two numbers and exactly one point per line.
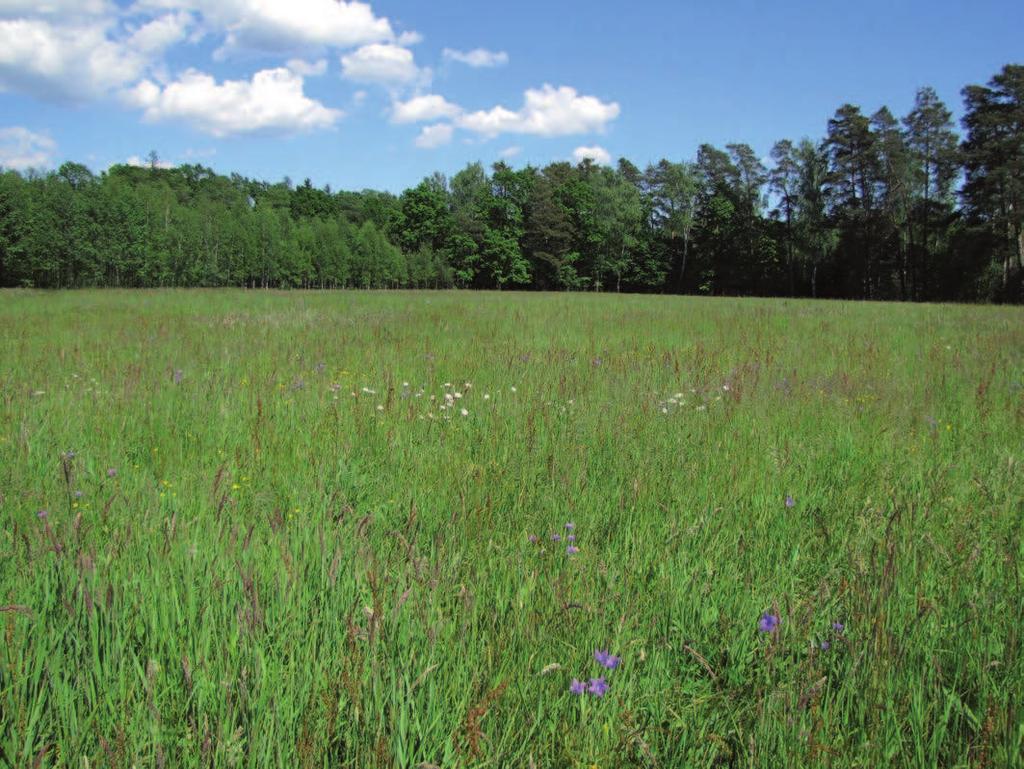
x=282, y=573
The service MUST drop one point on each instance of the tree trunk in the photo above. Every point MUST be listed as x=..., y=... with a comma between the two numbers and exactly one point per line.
x=1020, y=248
x=682, y=265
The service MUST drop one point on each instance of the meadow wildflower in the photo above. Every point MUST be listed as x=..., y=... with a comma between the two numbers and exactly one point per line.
x=570, y=526
x=577, y=687
x=607, y=659
x=598, y=686
x=464, y=412
x=790, y=502
x=556, y=537
x=825, y=646
x=42, y=515
x=570, y=538
x=178, y=376
x=768, y=623
x=839, y=627
x=572, y=550
x=111, y=472
x=533, y=539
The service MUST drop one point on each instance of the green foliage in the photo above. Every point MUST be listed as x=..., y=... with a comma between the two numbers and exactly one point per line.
x=869, y=212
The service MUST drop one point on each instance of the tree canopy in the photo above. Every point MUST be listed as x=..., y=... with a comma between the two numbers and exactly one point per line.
x=882, y=207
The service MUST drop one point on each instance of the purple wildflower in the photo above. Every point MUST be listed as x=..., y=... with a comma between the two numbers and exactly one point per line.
x=607, y=659
x=572, y=550
x=577, y=687
x=790, y=502
x=112, y=472
x=556, y=537
x=598, y=686
x=825, y=646
x=178, y=376
x=79, y=493
x=839, y=627
x=570, y=526
x=533, y=539
x=570, y=538
x=42, y=515
x=768, y=623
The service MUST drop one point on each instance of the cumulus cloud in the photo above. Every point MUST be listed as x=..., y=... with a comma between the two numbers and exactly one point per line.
x=478, y=57
x=273, y=102
x=432, y=136
x=21, y=148
x=546, y=111
x=383, y=64
x=68, y=61
x=308, y=68
x=63, y=8
x=598, y=154
x=161, y=33
x=422, y=108
x=409, y=38
x=284, y=26
x=510, y=152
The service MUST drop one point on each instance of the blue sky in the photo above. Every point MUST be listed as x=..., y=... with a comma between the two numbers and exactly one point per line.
x=379, y=95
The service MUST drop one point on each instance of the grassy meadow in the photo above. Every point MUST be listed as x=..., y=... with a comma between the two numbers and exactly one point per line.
x=258, y=529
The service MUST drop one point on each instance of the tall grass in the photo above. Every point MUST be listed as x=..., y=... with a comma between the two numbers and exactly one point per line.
x=261, y=547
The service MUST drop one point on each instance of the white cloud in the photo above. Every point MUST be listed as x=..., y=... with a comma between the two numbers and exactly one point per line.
x=285, y=26
x=432, y=136
x=478, y=57
x=161, y=33
x=308, y=68
x=598, y=154
x=78, y=50
x=422, y=108
x=546, y=111
x=510, y=152
x=272, y=102
x=63, y=8
x=138, y=162
x=73, y=61
x=21, y=148
x=383, y=63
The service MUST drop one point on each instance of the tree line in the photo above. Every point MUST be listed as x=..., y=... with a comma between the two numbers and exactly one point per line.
x=880, y=208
